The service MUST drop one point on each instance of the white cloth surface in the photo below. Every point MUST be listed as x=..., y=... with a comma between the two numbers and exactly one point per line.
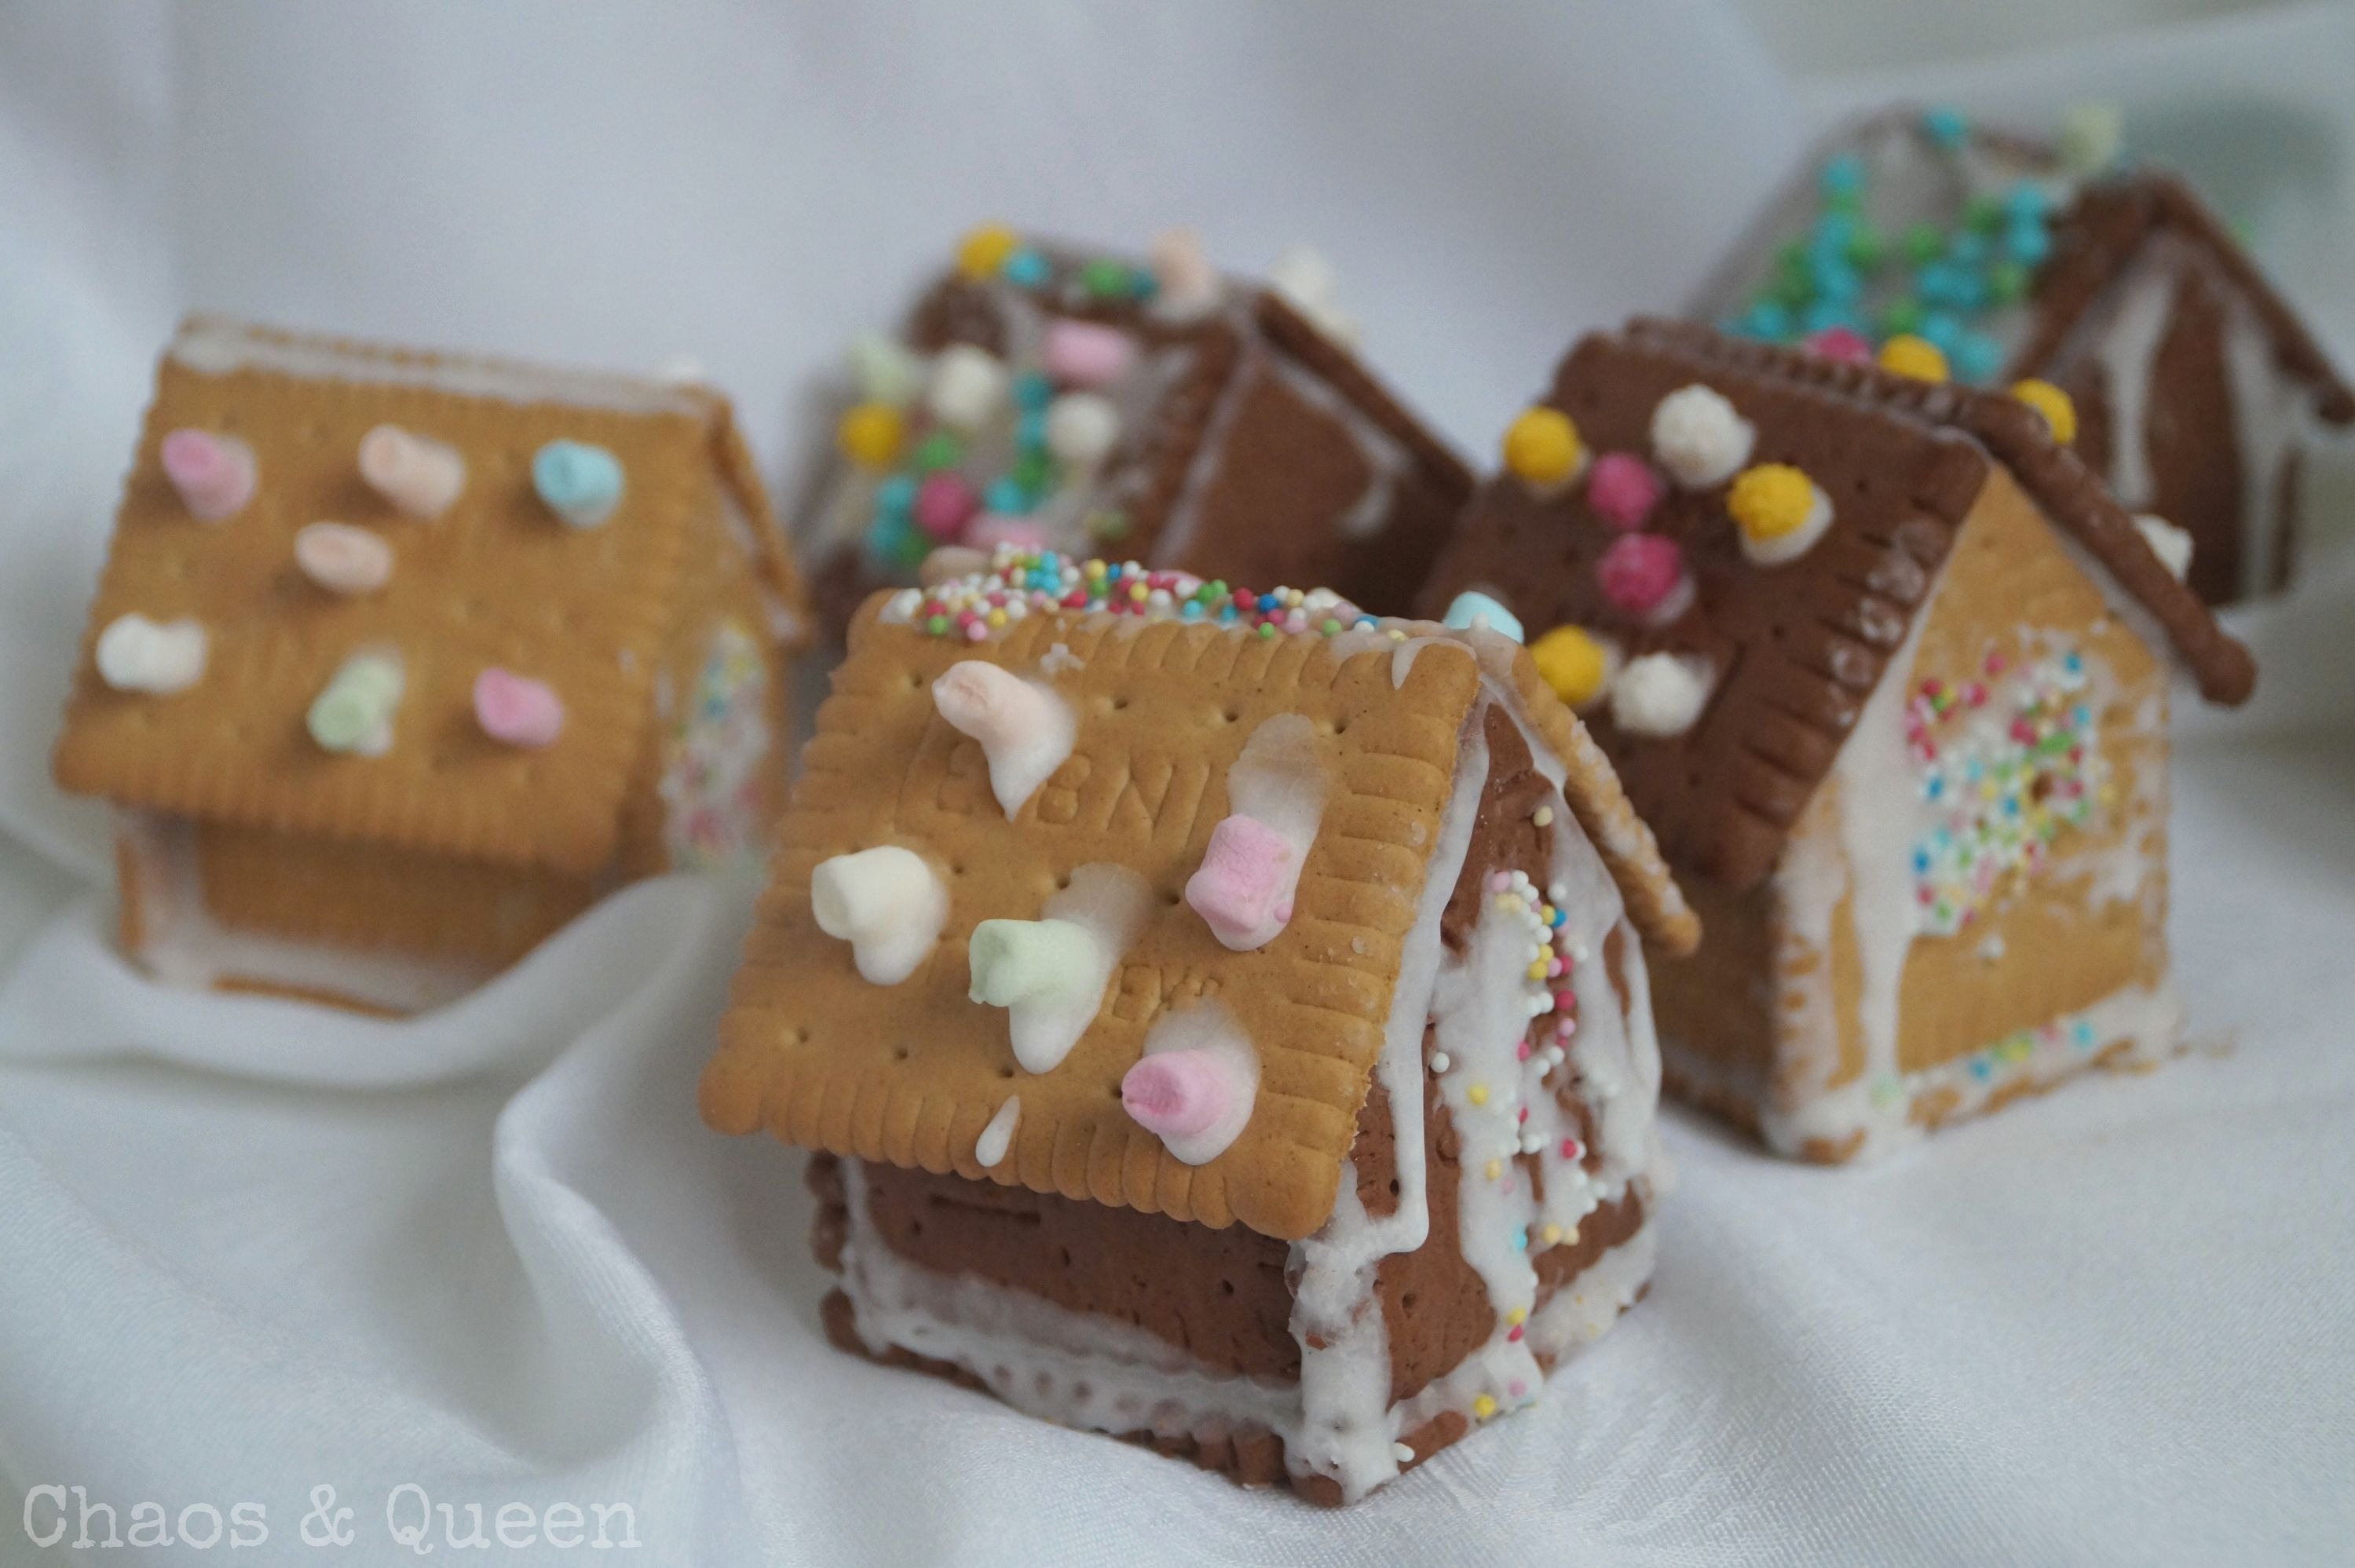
x=250, y=1248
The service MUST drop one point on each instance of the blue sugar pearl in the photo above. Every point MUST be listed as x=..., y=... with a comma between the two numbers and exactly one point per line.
x=1824, y=314
x=1142, y=283
x=896, y=494
x=1268, y=601
x=1033, y=391
x=1838, y=282
x=2026, y=202
x=579, y=483
x=2083, y=1032
x=1921, y=861
x=1969, y=247
x=1833, y=230
x=1843, y=176
x=1030, y=430
x=1521, y=1240
x=1027, y=267
x=1941, y=329
x=1945, y=126
x=1190, y=611
x=2026, y=243
x=1976, y=357
x=1005, y=497
x=1767, y=319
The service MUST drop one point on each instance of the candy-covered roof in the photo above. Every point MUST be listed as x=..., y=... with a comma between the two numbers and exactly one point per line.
x=885, y=1056
x=1758, y=591
x=412, y=599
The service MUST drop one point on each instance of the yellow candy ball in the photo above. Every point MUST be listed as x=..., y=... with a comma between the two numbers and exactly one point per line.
x=1542, y=446
x=2053, y=403
x=869, y=435
x=1572, y=663
x=1770, y=501
x=984, y=251
x=1916, y=357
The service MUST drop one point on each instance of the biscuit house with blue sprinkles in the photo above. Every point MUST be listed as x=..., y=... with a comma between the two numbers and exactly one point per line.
x=401, y=660
x=1220, y=1014
x=1885, y=667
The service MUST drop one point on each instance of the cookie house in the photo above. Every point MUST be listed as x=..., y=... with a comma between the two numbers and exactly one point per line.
x=1883, y=663
x=1220, y=1016
x=1057, y=398
x=2198, y=390
x=400, y=661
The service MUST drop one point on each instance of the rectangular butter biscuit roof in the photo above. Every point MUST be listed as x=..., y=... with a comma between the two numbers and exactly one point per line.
x=911, y=1074
x=496, y=580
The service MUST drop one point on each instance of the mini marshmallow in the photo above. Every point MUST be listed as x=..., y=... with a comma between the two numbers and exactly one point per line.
x=968, y=385
x=887, y=373
x=136, y=654
x=2171, y=544
x=579, y=483
x=215, y=475
x=1081, y=428
x=353, y=715
x=1659, y=694
x=998, y=1136
x=1243, y=888
x=1027, y=960
x=518, y=709
x=1086, y=353
x=1195, y=1086
x=1050, y=974
x=1025, y=729
x=418, y=474
x=1186, y=285
x=342, y=559
x=1698, y=437
x=888, y=903
x=1472, y=611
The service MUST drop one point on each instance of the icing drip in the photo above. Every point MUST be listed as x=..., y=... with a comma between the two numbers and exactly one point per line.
x=2125, y=348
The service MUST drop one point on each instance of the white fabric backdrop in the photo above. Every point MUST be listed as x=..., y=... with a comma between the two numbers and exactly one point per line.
x=249, y=1249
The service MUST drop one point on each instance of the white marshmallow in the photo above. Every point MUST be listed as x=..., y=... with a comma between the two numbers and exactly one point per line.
x=136, y=654
x=1081, y=428
x=968, y=386
x=888, y=903
x=1698, y=437
x=1659, y=694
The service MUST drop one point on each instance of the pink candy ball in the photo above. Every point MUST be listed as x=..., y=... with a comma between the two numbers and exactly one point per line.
x=1623, y=489
x=943, y=503
x=1842, y=342
x=1639, y=572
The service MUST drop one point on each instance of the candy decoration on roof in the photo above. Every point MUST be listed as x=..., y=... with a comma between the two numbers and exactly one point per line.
x=968, y=385
x=136, y=654
x=1187, y=285
x=2059, y=410
x=579, y=483
x=1243, y=888
x=1699, y=438
x=214, y=473
x=944, y=502
x=1081, y=428
x=1644, y=577
x=1025, y=729
x=1472, y=611
x=1186, y=1097
x=871, y=435
x=342, y=559
x=984, y=250
x=887, y=373
x=1907, y=354
x=516, y=709
x=1659, y=694
x=2090, y=137
x=1541, y=449
x=353, y=714
x=418, y=474
x=888, y=903
x=1842, y=343
x=1050, y=974
x=1779, y=511
x=1086, y=353
x=1575, y=663
x=1021, y=583
x=1307, y=283
x=1624, y=490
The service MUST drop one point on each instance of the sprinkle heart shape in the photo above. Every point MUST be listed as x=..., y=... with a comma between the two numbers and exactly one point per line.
x=516, y=709
x=342, y=559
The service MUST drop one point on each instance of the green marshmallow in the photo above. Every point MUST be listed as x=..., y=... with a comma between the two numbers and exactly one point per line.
x=1018, y=960
x=357, y=703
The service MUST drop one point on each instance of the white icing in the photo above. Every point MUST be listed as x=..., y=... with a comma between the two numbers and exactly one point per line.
x=136, y=654
x=1309, y=285
x=2171, y=544
x=888, y=903
x=181, y=944
x=2125, y=348
x=1661, y=693
x=996, y=1137
x=1699, y=438
x=1209, y=1027
x=2273, y=415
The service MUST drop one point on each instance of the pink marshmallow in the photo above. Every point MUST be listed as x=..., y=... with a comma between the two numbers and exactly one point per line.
x=1086, y=353
x=992, y=705
x=1239, y=886
x=1623, y=489
x=1844, y=343
x=517, y=709
x=213, y=474
x=1640, y=573
x=943, y=504
x=991, y=529
x=1178, y=1093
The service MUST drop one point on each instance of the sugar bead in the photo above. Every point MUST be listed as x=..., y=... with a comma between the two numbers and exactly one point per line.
x=1644, y=576
x=1574, y=663
x=1542, y=449
x=943, y=503
x=870, y=435
x=1780, y=511
x=984, y=250
x=1699, y=438
x=1623, y=489
x=1918, y=357
x=968, y=385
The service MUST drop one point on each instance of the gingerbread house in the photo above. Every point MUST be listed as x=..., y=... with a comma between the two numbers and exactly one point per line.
x=1886, y=667
x=1058, y=399
x=2198, y=389
x=401, y=660
x=1220, y=1016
